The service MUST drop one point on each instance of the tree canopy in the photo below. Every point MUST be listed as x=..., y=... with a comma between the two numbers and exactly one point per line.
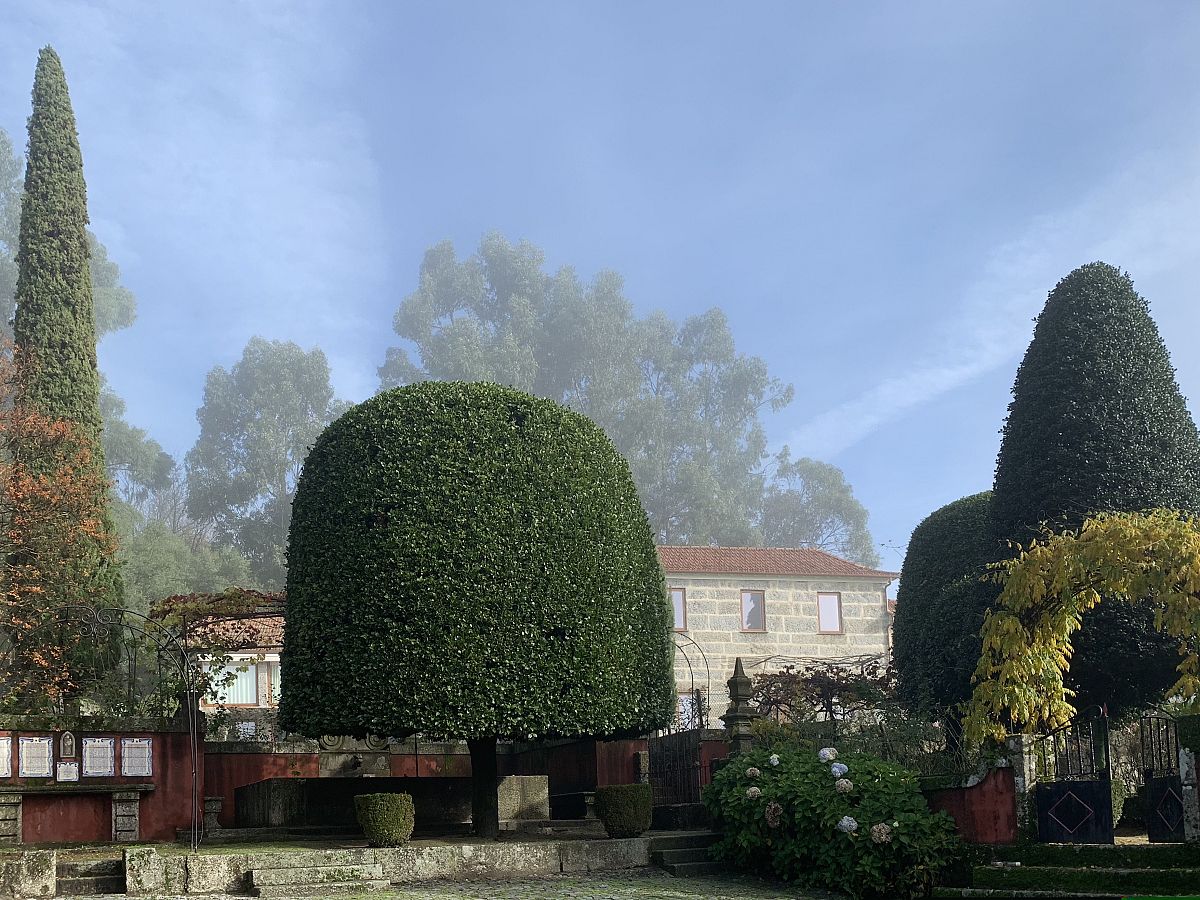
x=941, y=602
x=677, y=399
x=469, y=561
x=256, y=425
x=1150, y=560
x=1097, y=424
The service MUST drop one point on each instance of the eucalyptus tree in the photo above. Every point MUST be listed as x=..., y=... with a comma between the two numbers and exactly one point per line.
x=256, y=425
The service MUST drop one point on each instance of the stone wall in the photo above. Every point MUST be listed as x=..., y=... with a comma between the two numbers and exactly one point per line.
x=714, y=622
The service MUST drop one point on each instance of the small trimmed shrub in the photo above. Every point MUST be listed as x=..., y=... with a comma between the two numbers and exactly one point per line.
x=625, y=809
x=864, y=830
x=386, y=819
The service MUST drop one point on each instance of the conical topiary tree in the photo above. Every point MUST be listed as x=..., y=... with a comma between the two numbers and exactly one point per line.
x=468, y=561
x=54, y=325
x=1097, y=424
x=941, y=602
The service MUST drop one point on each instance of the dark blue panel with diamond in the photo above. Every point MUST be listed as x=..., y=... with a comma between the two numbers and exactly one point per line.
x=1164, y=809
x=1075, y=812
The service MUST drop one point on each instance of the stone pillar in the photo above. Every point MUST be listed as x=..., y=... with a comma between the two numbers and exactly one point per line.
x=1024, y=766
x=10, y=819
x=641, y=759
x=125, y=815
x=212, y=814
x=741, y=712
x=1189, y=776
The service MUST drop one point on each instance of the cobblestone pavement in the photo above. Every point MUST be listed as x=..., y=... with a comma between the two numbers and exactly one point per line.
x=652, y=885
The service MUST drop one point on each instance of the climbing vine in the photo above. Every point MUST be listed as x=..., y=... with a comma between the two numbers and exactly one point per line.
x=1151, y=557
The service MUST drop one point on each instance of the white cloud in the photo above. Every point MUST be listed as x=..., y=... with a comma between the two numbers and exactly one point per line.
x=1143, y=220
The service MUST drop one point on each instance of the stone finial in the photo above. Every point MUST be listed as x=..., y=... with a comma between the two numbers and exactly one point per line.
x=741, y=712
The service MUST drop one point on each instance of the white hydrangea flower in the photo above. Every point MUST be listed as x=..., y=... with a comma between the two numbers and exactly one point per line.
x=847, y=824
x=752, y=772
x=829, y=754
x=774, y=760
x=753, y=793
x=881, y=833
x=843, y=785
x=839, y=769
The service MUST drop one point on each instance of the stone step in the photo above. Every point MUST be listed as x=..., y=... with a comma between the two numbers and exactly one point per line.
x=694, y=869
x=320, y=890
x=1155, y=882
x=314, y=875
x=90, y=886
x=682, y=840
x=306, y=859
x=90, y=868
x=684, y=855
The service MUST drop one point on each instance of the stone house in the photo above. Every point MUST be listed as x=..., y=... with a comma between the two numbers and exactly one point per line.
x=770, y=606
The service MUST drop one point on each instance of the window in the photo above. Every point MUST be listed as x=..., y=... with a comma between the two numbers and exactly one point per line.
x=754, y=611
x=273, y=682
x=236, y=684
x=829, y=613
x=679, y=601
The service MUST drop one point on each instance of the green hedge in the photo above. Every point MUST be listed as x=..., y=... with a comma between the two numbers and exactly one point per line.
x=468, y=561
x=386, y=819
x=625, y=809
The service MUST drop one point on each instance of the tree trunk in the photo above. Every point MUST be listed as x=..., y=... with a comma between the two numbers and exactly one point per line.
x=485, y=808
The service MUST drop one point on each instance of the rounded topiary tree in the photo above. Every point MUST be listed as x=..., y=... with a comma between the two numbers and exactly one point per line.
x=468, y=561
x=1097, y=424
x=941, y=602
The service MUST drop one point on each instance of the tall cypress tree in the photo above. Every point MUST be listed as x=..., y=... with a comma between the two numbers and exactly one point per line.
x=1097, y=424
x=54, y=326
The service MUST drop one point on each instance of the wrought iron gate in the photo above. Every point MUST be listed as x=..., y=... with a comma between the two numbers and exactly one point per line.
x=1074, y=782
x=1158, y=764
x=677, y=773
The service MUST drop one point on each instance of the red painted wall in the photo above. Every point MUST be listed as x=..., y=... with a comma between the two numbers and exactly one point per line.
x=52, y=819
x=225, y=772
x=423, y=765
x=710, y=752
x=985, y=813
x=616, y=761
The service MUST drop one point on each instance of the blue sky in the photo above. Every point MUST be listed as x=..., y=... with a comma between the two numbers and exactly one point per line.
x=879, y=195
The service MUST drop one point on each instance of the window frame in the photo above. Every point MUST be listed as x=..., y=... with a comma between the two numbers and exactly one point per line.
x=841, y=620
x=742, y=618
x=251, y=665
x=682, y=606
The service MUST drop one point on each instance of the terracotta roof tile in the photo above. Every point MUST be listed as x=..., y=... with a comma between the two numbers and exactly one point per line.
x=801, y=561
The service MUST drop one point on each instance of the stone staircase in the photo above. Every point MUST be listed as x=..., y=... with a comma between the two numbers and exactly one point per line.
x=317, y=874
x=685, y=853
x=90, y=875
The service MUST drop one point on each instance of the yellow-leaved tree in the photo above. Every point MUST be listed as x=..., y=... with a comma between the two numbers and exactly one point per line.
x=1145, y=558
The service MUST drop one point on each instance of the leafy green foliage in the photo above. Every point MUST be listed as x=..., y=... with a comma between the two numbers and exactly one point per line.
x=256, y=425
x=625, y=810
x=679, y=401
x=159, y=563
x=1151, y=559
x=387, y=819
x=54, y=326
x=808, y=503
x=469, y=561
x=941, y=602
x=1097, y=424
x=783, y=820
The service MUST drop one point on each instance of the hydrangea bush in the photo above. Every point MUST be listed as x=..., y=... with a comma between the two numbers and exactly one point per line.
x=860, y=826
